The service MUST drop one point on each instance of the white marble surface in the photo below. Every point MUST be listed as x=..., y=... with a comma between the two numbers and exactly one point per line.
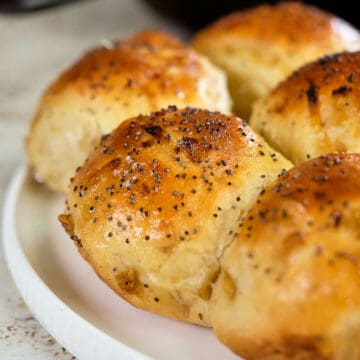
x=33, y=49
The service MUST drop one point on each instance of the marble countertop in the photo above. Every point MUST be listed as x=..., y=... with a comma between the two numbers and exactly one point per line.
x=33, y=49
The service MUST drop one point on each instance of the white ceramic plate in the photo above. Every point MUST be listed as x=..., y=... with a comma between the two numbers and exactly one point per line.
x=70, y=301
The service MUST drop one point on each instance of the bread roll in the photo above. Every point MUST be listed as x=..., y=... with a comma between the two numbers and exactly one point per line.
x=158, y=201
x=259, y=47
x=315, y=111
x=290, y=286
x=140, y=74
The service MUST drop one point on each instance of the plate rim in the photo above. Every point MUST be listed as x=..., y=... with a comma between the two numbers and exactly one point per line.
x=43, y=303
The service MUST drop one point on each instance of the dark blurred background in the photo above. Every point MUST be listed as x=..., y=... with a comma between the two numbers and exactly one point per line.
x=196, y=14
x=191, y=13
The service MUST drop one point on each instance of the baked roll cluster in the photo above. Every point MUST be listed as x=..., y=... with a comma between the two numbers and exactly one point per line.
x=188, y=212
x=289, y=286
x=143, y=73
x=259, y=47
x=314, y=111
x=158, y=201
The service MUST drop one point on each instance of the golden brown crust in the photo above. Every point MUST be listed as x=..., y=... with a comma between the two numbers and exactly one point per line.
x=141, y=63
x=137, y=75
x=315, y=111
x=156, y=203
x=294, y=268
x=331, y=77
x=260, y=46
x=287, y=24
